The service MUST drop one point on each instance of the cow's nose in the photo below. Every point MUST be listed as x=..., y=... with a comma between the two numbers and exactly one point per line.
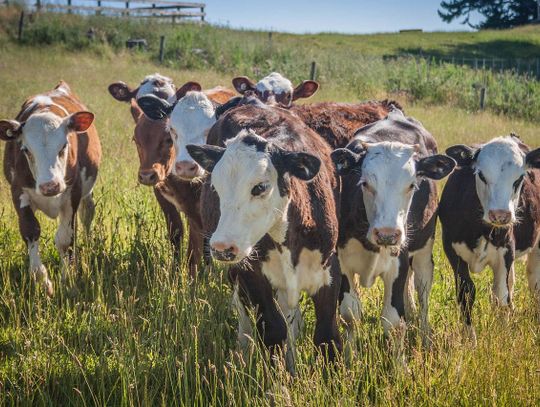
x=387, y=236
x=50, y=188
x=186, y=169
x=224, y=251
x=500, y=216
x=148, y=177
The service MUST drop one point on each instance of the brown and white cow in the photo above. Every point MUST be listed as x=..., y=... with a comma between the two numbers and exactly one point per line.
x=335, y=122
x=51, y=161
x=172, y=182
x=388, y=214
x=270, y=207
x=490, y=215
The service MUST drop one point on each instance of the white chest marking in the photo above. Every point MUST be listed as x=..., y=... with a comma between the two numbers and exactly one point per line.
x=482, y=255
x=355, y=259
x=309, y=274
x=50, y=206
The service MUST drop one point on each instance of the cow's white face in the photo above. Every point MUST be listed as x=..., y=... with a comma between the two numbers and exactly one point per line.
x=388, y=183
x=250, y=178
x=389, y=175
x=500, y=169
x=158, y=85
x=275, y=89
x=190, y=121
x=44, y=141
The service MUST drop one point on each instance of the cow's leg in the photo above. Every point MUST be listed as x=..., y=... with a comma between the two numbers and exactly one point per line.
x=410, y=304
x=64, y=237
x=175, y=228
x=87, y=211
x=503, y=278
x=327, y=337
x=254, y=291
x=533, y=275
x=195, y=248
x=465, y=289
x=293, y=318
x=350, y=308
x=30, y=232
x=422, y=264
x=393, y=313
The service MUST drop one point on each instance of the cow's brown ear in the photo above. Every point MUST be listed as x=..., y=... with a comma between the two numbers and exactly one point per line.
x=532, y=159
x=462, y=154
x=122, y=92
x=243, y=84
x=10, y=130
x=80, y=121
x=136, y=111
x=188, y=87
x=305, y=90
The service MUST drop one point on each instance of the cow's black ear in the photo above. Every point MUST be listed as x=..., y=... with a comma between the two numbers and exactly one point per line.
x=345, y=160
x=230, y=104
x=10, y=130
x=154, y=107
x=243, y=84
x=206, y=155
x=435, y=166
x=303, y=166
x=462, y=154
x=532, y=159
x=122, y=92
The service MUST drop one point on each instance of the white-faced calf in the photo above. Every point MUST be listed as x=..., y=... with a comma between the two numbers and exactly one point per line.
x=51, y=161
x=490, y=215
x=276, y=188
x=156, y=84
x=388, y=214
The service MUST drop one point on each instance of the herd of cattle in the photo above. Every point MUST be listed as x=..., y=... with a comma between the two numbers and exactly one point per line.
x=292, y=198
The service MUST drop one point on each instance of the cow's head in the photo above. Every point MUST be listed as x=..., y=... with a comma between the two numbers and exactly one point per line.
x=156, y=84
x=190, y=119
x=252, y=179
x=275, y=89
x=43, y=139
x=154, y=146
x=500, y=167
x=389, y=173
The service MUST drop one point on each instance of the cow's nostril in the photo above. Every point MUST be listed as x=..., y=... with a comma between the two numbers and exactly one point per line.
x=224, y=252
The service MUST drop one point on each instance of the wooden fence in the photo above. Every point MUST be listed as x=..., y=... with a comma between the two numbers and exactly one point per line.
x=171, y=10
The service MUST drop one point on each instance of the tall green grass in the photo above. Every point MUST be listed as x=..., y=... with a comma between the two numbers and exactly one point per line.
x=341, y=63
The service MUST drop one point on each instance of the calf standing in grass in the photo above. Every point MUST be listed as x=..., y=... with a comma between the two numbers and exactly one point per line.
x=490, y=215
x=164, y=163
x=51, y=161
x=388, y=214
x=274, y=212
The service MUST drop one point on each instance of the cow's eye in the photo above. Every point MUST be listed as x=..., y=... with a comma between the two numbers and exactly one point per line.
x=26, y=151
x=62, y=150
x=259, y=189
x=365, y=186
x=517, y=184
x=482, y=178
x=412, y=187
x=168, y=141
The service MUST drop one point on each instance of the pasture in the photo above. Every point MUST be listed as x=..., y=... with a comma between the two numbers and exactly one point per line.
x=131, y=329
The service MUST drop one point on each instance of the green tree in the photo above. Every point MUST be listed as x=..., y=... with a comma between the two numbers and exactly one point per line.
x=497, y=13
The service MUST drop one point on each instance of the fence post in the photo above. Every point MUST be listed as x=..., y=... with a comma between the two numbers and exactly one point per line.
x=161, y=48
x=202, y=17
x=21, y=25
x=482, y=97
x=313, y=71
x=69, y=4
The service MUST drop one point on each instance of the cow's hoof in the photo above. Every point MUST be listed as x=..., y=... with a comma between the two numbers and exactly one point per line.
x=470, y=335
x=49, y=288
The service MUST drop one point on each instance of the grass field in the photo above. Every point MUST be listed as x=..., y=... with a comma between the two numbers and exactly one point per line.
x=132, y=330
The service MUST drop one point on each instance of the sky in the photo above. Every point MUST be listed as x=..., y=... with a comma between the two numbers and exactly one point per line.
x=348, y=16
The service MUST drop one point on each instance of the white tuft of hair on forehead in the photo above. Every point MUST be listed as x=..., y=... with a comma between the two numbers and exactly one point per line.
x=499, y=153
x=275, y=83
x=388, y=156
x=148, y=87
x=43, y=100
